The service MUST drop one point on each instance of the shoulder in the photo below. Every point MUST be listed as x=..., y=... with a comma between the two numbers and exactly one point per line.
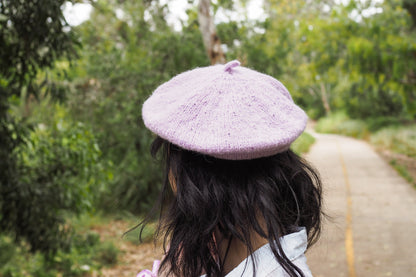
x=278, y=271
x=294, y=245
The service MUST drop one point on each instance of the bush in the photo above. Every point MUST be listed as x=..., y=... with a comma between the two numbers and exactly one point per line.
x=7, y=249
x=339, y=123
x=107, y=254
x=354, y=128
x=375, y=124
x=16, y=261
x=403, y=171
x=328, y=124
x=59, y=171
x=303, y=143
x=398, y=139
x=86, y=257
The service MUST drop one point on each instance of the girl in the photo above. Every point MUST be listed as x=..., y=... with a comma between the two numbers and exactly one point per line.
x=241, y=202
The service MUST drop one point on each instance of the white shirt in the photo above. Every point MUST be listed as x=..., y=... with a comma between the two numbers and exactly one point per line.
x=294, y=245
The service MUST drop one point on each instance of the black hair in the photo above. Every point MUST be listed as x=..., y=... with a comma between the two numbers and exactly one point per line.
x=230, y=196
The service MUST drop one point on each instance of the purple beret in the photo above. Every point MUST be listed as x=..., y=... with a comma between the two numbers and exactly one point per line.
x=225, y=111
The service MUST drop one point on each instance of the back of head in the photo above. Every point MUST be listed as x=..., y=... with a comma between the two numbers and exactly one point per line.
x=225, y=131
x=272, y=196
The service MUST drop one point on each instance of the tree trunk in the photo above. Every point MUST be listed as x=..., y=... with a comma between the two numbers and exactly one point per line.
x=212, y=42
x=410, y=6
x=324, y=99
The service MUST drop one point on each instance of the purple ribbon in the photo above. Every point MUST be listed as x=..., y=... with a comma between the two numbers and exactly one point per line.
x=148, y=273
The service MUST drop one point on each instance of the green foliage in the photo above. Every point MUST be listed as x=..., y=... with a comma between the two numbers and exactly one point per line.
x=332, y=60
x=86, y=256
x=400, y=139
x=379, y=60
x=137, y=236
x=93, y=150
x=8, y=250
x=358, y=67
x=303, y=143
x=375, y=124
x=62, y=153
x=86, y=221
x=340, y=124
x=107, y=253
x=33, y=34
x=59, y=171
x=403, y=172
x=387, y=133
x=31, y=38
x=123, y=61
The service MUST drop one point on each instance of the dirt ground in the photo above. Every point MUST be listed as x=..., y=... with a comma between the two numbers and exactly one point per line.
x=132, y=257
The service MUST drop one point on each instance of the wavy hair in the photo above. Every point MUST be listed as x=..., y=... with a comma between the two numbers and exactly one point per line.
x=230, y=196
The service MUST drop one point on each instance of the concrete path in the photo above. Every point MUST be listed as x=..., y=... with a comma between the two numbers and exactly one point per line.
x=373, y=227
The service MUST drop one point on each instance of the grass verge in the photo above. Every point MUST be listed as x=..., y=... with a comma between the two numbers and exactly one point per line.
x=402, y=170
x=339, y=123
x=88, y=254
x=385, y=133
x=303, y=143
x=399, y=139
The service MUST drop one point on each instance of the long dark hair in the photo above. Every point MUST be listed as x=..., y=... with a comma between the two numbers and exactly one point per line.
x=229, y=196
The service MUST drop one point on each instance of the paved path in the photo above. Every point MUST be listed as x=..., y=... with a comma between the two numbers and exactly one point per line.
x=373, y=209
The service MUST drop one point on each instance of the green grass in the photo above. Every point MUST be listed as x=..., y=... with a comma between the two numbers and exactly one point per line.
x=86, y=257
x=88, y=253
x=399, y=139
x=107, y=253
x=148, y=234
x=385, y=133
x=403, y=172
x=86, y=221
x=339, y=123
x=303, y=143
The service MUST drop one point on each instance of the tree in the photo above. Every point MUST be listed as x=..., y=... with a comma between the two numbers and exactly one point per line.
x=211, y=40
x=335, y=56
x=124, y=58
x=33, y=35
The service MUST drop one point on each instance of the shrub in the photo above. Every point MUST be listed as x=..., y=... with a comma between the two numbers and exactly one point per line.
x=107, y=253
x=85, y=258
x=8, y=249
x=398, y=139
x=328, y=124
x=403, y=171
x=16, y=261
x=375, y=124
x=59, y=171
x=303, y=143
x=339, y=123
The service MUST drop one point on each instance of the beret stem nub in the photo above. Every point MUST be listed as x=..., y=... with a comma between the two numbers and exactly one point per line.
x=228, y=66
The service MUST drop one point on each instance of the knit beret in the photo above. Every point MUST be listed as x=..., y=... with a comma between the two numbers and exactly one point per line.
x=225, y=111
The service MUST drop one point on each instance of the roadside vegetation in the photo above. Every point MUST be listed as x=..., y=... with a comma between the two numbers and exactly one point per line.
x=394, y=138
x=302, y=144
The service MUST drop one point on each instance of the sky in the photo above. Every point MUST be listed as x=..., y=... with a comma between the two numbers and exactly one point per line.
x=78, y=13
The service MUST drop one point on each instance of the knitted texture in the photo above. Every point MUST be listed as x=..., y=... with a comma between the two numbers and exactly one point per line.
x=225, y=111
